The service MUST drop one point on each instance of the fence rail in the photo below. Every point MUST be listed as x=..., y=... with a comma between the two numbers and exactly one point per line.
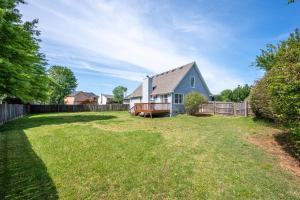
x=227, y=108
x=12, y=111
x=77, y=108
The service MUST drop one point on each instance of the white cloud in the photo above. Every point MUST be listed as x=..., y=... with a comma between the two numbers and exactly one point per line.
x=117, y=30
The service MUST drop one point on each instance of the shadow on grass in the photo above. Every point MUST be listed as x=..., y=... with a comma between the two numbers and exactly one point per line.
x=23, y=175
x=285, y=141
x=202, y=115
x=35, y=121
x=266, y=122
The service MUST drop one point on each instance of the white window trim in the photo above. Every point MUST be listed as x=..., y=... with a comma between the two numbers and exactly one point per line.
x=182, y=98
x=193, y=77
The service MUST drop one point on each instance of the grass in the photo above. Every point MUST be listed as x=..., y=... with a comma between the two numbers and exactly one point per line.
x=113, y=155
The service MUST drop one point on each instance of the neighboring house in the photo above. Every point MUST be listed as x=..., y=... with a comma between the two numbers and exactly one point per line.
x=79, y=98
x=105, y=99
x=171, y=87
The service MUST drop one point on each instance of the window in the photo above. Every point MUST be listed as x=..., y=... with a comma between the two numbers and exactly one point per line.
x=193, y=82
x=178, y=98
x=164, y=98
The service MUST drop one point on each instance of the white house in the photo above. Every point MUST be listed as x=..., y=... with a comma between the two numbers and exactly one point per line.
x=105, y=99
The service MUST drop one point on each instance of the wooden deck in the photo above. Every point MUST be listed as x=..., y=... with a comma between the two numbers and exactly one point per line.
x=150, y=108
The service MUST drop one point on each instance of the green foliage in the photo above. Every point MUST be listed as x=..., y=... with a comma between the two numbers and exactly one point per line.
x=260, y=99
x=63, y=83
x=285, y=92
x=192, y=101
x=226, y=95
x=22, y=72
x=284, y=85
x=118, y=93
x=237, y=95
x=285, y=52
x=240, y=93
x=267, y=58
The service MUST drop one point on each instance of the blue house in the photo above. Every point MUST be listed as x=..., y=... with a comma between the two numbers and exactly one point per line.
x=165, y=92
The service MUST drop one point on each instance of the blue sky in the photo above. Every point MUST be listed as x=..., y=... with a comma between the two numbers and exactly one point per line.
x=111, y=43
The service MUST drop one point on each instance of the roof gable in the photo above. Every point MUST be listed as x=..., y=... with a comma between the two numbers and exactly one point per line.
x=87, y=94
x=200, y=77
x=166, y=82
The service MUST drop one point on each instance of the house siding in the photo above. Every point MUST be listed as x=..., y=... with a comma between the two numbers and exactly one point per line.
x=184, y=88
x=135, y=100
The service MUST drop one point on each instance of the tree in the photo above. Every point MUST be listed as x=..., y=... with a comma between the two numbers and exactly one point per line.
x=63, y=83
x=237, y=95
x=240, y=93
x=273, y=55
x=226, y=95
x=192, y=101
x=118, y=93
x=22, y=72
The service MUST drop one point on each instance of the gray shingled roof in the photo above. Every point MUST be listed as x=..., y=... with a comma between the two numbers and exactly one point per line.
x=165, y=82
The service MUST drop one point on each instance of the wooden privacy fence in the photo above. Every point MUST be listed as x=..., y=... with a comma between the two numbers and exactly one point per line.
x=77, y=108
x=226, y=108
x=12, y=111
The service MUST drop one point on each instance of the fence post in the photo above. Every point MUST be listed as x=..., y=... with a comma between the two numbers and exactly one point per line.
x=214, y=107
x=246, y=108
x=234, y=109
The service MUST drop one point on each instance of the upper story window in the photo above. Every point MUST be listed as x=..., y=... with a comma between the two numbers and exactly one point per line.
x=193, y=82
x=178, y=98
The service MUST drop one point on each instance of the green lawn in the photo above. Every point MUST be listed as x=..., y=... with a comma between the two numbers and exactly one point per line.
x=112, y=155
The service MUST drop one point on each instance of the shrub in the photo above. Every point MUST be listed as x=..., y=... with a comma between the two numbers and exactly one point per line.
x=278, y=93
x=260, y=99
x=192, y=101
x=285, y=92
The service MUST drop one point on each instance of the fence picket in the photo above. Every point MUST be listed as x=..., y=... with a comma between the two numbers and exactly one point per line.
x=9, y=112
x=226, y=108
x=77, y=108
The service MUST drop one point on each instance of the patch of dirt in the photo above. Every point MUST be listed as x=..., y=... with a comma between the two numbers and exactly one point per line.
x=271, y=144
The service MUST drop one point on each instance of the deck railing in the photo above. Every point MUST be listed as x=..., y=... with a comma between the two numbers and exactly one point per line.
x=152, y=107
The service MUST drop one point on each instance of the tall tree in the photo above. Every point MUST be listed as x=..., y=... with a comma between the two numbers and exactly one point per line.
x=62, y=83
x=118, y=93
x=22, y=72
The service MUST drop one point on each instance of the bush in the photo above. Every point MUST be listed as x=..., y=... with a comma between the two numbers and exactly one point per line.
x=192, y=101
x=277, y=95
x=260, y=99
x=285, y=92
